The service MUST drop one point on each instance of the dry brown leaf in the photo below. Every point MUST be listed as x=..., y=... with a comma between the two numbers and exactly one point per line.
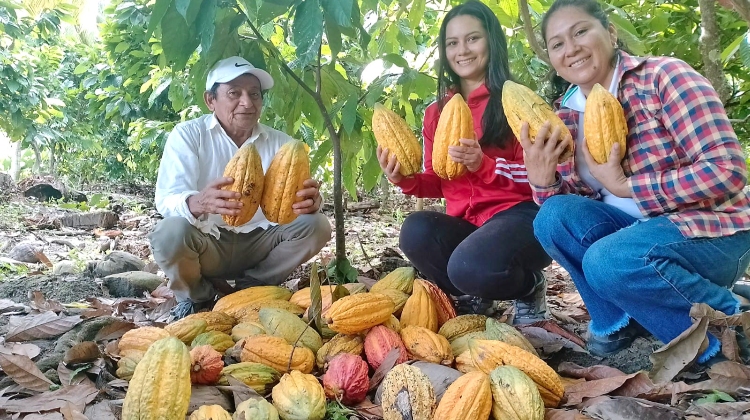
x=76, y=394
x=26, y=349
x=100, y=411
x=623, y=408
x=7, y=305
x=730, y=369
x=628, y=385
x=240, y=390
x=208, y=395
x=83, y=352
x=729, y=410
x=368, y=410
x=114, y=330
x=24, y=372
x=46, y=416
x=674, y=357
x=389, y=361
x=589, y=373
x=548, y=342
x=43, y=258
x=559, y=414
x=45, y=325
x=69, y=376
x=39, y=302
x=732, y=386
x=71, y=412
x=552, y=327
x=729, y=347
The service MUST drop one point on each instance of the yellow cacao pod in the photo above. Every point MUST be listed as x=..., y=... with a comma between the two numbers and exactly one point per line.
x=160, y=387
x=464, y=362
x=401, y=279
x=468, y=397
x=455, y=123
x=420, y=310
x=393, y=324
x=255, y=409
x=398, y=297
x=489, y=354
x=496, y=330
x=219, y=341
x=246, y=329
x=522, y=104
x=215, y=321
x=251, y=311
x=261, y=378
x=407, y=394
x=138, y=340
x=232, y=303
x=186, y=329
x=289, y=169
x=210, y=412
x=462, y=325
x=246, y=169
x=393, y=133
x=515, y=396
x=461, y=344
x=299, y=396
x=277, y=353
x=302, y=296
x=126, y=365
x=423, y=344
x=280, y=323
x=604, y=124
x=340, y=343
x=355, y=313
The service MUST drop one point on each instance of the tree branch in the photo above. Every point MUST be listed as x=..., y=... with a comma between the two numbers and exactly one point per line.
x=743, y=8
x=529, y=29
x=710, y=47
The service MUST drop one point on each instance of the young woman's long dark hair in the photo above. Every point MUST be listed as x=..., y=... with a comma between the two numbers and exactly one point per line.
x=558, y=85
x=495, y=129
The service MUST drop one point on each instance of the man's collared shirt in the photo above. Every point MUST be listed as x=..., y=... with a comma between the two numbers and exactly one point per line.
x=196, y=153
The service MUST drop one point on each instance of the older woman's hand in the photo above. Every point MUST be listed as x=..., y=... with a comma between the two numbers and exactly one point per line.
x=610, y=173
x=541, y=156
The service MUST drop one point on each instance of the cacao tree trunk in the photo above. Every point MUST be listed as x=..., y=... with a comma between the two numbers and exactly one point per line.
x=15, y=160
x=37, y=157
x=710, y=48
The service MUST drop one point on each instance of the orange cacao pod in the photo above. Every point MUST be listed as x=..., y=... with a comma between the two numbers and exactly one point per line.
x=419, y=309
x=355, y=313
x=206, y=365
x=233, y=303
x=455, y=123
x=138, y=340
x=522, y=104
x=604, y=124
x=393, y=133
x=277, y=353
x=468, y=397
x=215, y=321
x=443, y=304
x=340, y=343
x=246, y=169
x=289, y=169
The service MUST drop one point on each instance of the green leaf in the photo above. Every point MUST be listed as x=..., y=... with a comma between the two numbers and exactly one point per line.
x=745, y=51
x=316, y=299
x=307, y=30
x=189, y=8
x=511, y=8
x=339, y=10
x=349, y=114
x=371, y=171
x=732, y=48
x=416, y=13
x=121, y=47
x=157, y=14
x=81, y=68
x=321, y=155
x=333, y=36
x=178, y=41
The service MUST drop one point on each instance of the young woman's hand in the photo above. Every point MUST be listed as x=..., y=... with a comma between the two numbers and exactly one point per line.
x=610, y=173
x=390, y=166
x=469, y=153
x=541, y=156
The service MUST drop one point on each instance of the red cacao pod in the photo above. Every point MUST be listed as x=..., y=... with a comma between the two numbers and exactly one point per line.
x=379, y=341
x=346, y=379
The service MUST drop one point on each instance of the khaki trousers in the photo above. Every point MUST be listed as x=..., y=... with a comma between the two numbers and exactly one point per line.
x=190, y=258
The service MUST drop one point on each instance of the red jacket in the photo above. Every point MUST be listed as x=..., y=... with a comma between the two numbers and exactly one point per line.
x=500, y=182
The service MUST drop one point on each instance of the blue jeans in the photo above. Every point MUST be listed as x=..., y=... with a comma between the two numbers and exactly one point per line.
x=646, y=270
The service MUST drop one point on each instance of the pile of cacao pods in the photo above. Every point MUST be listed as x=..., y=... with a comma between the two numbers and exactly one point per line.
x=261, y=336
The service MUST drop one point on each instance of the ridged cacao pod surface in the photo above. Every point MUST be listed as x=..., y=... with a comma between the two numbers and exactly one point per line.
x=255, y=409
x=462, y=325
x=340, y=343
x=232, y=303
x=160, y=387
x=379, y=341
x=356, y=313
x=407, y=394
x=206, y=365
x=468, y=397
x=455, y=123
x=215, y=321
x=420, y=309
x=138, y=340
x=280, y=323
x=218, y=340
x=515, y=395
x=261, y=378
x=276, y=353
x=299, y=396
x=210, y=412
x=522, y=104
x=186, y=329
x=393, y=133
x=401, y=279
x=346, y=379
x=604, y=124
x=246, y=169
x=289, y=169
x=496, y=330
x=443, y=304
x=423, y=344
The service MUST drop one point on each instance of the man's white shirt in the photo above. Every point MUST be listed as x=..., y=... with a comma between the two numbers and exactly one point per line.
x=196, y=153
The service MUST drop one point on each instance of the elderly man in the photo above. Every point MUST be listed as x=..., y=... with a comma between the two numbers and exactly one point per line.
x=193, y=245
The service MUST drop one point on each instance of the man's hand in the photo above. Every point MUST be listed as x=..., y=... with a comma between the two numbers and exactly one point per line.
x=541, y=156
x=390, y=166
x=311, y=199
x=610, y=173
x=470, y=154
x=214, y=200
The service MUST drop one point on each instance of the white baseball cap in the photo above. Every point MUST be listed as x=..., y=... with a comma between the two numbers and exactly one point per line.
x=230, y=68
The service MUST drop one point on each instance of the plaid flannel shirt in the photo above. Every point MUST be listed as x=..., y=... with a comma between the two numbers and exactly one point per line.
x=683, y=158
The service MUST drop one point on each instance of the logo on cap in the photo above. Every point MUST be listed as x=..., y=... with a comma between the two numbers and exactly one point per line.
x=240, y=65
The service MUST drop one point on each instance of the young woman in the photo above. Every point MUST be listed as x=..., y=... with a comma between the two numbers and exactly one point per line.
x=484, y=248
x=668, y=226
